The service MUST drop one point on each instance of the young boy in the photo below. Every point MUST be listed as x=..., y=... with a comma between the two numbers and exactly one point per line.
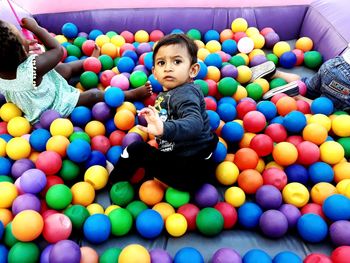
x=179, y=121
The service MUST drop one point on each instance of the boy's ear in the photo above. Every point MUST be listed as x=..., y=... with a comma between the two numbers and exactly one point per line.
x=194, y=70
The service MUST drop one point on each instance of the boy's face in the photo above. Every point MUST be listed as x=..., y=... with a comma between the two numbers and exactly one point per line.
x=172, y=66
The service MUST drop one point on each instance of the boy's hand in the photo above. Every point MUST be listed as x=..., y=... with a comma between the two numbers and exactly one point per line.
x=29, y=23
x=154, y=123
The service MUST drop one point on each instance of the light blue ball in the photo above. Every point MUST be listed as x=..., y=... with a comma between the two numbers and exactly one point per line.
x=125, y=64
x=149, y=223
x=95, y=33
x=256, y=255
x=211, y=35
x=187, y=255
x=277, y=119
x=227, y=112
x=70, y=30
x=294, y=122
x=228, y=100
x=148, y=60
x=177, y=31
x=287, y=256
x=113, y=154
x=203, y=70
x=322, y=105
x=229, y=46
x=337, y=207
x=39, y=138
x=71, y=59
x=213, y=59
x=312, y=228
x=114, y=97
x=267, y=108
x=97, y=228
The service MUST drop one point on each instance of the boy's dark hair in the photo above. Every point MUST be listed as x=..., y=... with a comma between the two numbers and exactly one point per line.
x=11, y=49
x=180, y=39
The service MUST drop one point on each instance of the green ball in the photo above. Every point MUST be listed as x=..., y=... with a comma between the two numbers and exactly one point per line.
x=237, y=61
x=224, y=64
x=122, y=193
x=227, y=86
x=255, y=91
x=121, y=221
x=136, y=207
x=312, y=59
x=111, y=34
x=5, y=178
x=138, y=79
x=195, y=34
x=115, y=61
x=209, y=221
x=24, y=253
x=77, y=215
x=277, y=82
x=340, y=112
x=106, y=61
x=203, y=85
x=110, y=255
x=345, y=143
x=9, y=238
x=79, y=135
x=58, y=196
x=176, y=198
x=272, y=57
x=89, y=79
x=69, y=170
x=79, y=41
x=73, y=50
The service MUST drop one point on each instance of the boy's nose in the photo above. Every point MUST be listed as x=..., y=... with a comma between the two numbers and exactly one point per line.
x=168, y=67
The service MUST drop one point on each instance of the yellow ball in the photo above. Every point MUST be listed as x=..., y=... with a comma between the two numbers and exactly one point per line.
x=9, y=111
x=164, y=209
x=227, y=173
x=126, y=105
x=143, y=134
x=18, y=126
x=265, y=85
x=341, y=171
x=118, y=40
x=61, y=39
x=8, y=193
x=95, y=208
x=94, y=128
x=213, y=73
x=304, y=43
x=245, y=57
x=240, y=93
x=281, y=47
x=341, y=125
x=141, y=36
x=255, y=52
x=342, y=185
x=321, y=119
x=322, y=190
x=199, y=43
x=101, y=40
x=18, y=148
x=315, y=133
x=239, y=25
x=234, y=196
x=110, y=50
x=2, y=147
x=202, y=53
x=176, y=225
x=27, y=225
x=261, y=166
x=252, y=31
x=134, y=253
x=259, y=40
x=83, y=194
x=97, y=176
x=111, y=208
x=331, y=152
x=244, y=74
x=213, y=46
x=61, y=126
x=245, y=141
x=295, y=194
x=59, y=144
x=273, y=164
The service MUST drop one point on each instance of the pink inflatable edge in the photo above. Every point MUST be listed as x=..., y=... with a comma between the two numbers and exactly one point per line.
x=44, y=6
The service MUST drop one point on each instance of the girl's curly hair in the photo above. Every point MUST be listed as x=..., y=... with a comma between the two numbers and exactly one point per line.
x=11, y=49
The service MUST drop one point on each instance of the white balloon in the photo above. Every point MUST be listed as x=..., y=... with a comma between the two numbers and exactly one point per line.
x=245, y=45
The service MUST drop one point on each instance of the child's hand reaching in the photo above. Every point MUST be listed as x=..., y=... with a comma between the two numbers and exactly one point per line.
x=154, y=123
x=29, y=23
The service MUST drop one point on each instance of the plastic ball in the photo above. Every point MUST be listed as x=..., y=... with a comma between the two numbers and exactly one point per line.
x=206, y=195
x=22, y=251
x=25, y=202
x=317, y=257
x=337, y=207
x=295, y=194
x=223, y=254
x=121, y=221
x=256, y=255
x=49, y=162
x=151, y=192
x=281, y=47
x=340, y=125
x=189, y=211
x=18, y=148
x=83, y=193
x=273, y=223
x=65, y=251
x=246, y=158
x=304, y=43
x=227, y=173
x=176, y=198
x=97, y=176
x=27, y=225
x=322, y=105
x=320, y=172
x=244, y=74
x=271, y=39
x=18, y=126
x=57, y=227
x=9, y=111
x=209, y=221
x=254, y=121
x=69, y=30
x=78, y=150
x=287, y=256
x=312, y=228
x=285, y=153
x=232, y=132
x=245, y=45
x=292, y=213
x=97, y=228
x=268, y=197
x=313, y=59
x=33, y=181
x=339, y=233
x=239, y=25
x=176, y=225
x=228, y=212
x=58, y=196
x=235, y=196
x=331, y=152
x=134, y=253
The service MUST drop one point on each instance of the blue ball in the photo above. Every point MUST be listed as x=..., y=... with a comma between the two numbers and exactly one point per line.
x=294, y=122
x=2, y=229
x=321, y=172
x=148, y=60
x=136, y=44
x=114, y=97
x=97, y=228
x=5, y=166
x=227, y=112
x=211, y=35
x=297, y=173
x=78, y=151
x=3, y=254
x=70, y=30
x=322, y=105
x=188, y=254
x=213, y=59
x=80, y=116
x=214, y=119
x=66, y=44
x=312, y=228
x=267, y=108
x=256, y=255
x=249, y=214
x=229, y=46
x=95, y=33
x=125, y=64
x=113, y=154
x=6, y=137
x=337, y=207
x=139, y=105
x=220, y=153
x=110, y=126
x=177, y=31
x=156, y=86
x=39, y=138
x=277, y=119
x=228, y=100
x=203, y=70
x=71, y=59
x=131, y=54
x=95, y=158
x=149, y=223
x=232, y=132
x=287, y=256
x=288, y=59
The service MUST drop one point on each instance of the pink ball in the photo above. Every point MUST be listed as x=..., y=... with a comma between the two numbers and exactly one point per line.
x=100, y=143
x=266, y=30
x=156, y=35
x=120, y=81
x=341, y=254
x=116, y=137
x=49, y=162
x=126, y=46
x=128, y=36
x=254, y=121
x=239, y=35
x=317, y=258
x=210, y=104
x=308, y=153
x=245, y=106
x=88, y=47
x=106, y=77
x=277, y=132
x=313, y=208
x=57, y=227
x=303, y=106
x=276, y=177
x=212, y=86
x=276, y=97
x=300, y=56
x=295, y=139
x=262, y=144
x=302, y=88
x=92, y=64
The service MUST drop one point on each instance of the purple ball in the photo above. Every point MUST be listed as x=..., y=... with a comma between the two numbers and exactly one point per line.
x=160, y=256
x=273, y=223
x=44, y=257
x=271, y=39
x=207, y=195
x=26, y=202
x=131, y=137
x=226, y=255
x=268, y=197
x=101, y=111
x=65, y=251
x=20, y=166
x=77, y=129
x=339, y=232
x=141, y=68
x=143, y=48
x=2, y=99
x=141, y=120
x=126, y=74
x=229, y=71
x=47, y=117
x=37, y=125
x=33, y=181
x=292, y=214
x=257, y=60
x=83, y=34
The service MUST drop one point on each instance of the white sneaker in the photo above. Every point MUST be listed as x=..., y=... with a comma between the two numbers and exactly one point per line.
x=267, y=68
x=109, y=167
x=290, y=89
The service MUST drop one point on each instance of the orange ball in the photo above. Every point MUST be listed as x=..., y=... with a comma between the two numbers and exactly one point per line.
x=164, y=209
x=88, y=255
x=226, y=34
x=94, y=128
x=285, y=105
x=246, y=158
x=285, y=153
x=304, y=44
x=341, y=171
x=5, y=216
x=151, y=192
x=213, y=73
x=58, y=144
x=110, y=50
x=245, y=141
x=124, y=120
x=250, y=181
x=320, y=191
x=315, y=133
x=27, y=225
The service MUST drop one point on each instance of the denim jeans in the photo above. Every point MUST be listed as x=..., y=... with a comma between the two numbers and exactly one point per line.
x=333, y=81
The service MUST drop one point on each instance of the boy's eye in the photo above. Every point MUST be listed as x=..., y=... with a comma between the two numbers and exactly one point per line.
x=160, y=63
x=177, y=61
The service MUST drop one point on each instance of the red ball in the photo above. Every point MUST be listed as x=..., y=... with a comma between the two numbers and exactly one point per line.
x=276, y=177
x=189, y=211
x=116, y=137
x=50, y=181
x=48, y=212
x=100, y=143
x=308, y=153
x=92, y=64
x=212, y=87
x=266, y=30
x=303, y=106
x=210, y=103
x=150, y=100
x=317, y=258
x=126, y=46
x=300, y=56
x=65, y=54
x=254, y=121
x=245, y=106
x=295, y=139
x=88, y=47
x=313, y=208
x=156, y=35
x=57, y=227
x=277, y=132
x=49, y=162
x=3, y=127
x=106, y=76
x=246, y=158
x=262, y=144
x=128, y=36
x=341, y=254
x=142, y=59
x=228, y=212
x=239, y=35
x=276, y=97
